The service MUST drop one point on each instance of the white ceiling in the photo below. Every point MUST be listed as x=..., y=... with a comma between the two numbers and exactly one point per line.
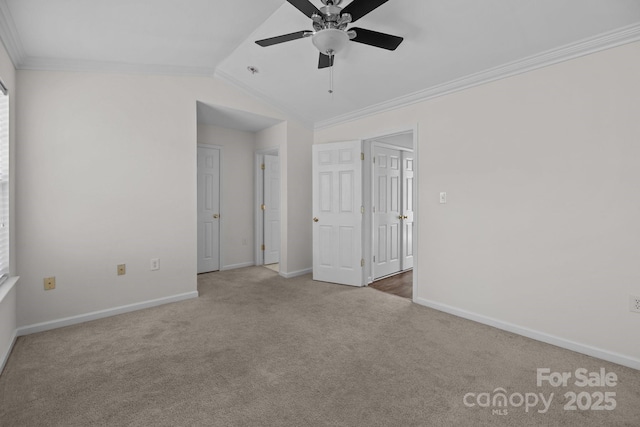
x=448, y=44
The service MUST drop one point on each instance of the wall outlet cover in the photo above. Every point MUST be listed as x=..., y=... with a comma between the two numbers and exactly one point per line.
x=49, y=283
x=122, y=269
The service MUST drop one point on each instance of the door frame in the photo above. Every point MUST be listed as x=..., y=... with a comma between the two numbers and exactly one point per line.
x=258, y=198
x=368, y=171
x=220, y=148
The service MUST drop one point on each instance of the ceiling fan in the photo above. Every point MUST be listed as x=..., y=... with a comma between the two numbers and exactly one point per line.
x=330, y=33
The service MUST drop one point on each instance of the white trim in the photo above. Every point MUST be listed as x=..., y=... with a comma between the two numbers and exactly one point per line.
x=599, y=353
x=81, y=318
x=239, y=265
x=51, y=64
x=9, y=35
x=296, y=273
x=5, y=358
x=608, y=40
x=6, y=287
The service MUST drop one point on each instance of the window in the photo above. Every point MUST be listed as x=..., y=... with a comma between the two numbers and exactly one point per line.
x=4, y=183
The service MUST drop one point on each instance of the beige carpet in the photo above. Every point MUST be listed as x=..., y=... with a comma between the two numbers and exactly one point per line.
x=259, y=350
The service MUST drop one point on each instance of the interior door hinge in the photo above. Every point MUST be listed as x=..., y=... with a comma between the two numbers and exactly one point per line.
x=361, y=156
x=263, y=207
x=362, y=209
x=374, y=258
x=262, y=248
x=362, y=262
x=262, y=166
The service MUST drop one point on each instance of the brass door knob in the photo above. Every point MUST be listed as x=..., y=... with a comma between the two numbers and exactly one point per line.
x=216, y=216
x=315, y=219
x=400, y=217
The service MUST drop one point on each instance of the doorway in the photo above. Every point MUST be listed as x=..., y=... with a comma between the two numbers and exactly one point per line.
x=343, y=208
x=392, y=209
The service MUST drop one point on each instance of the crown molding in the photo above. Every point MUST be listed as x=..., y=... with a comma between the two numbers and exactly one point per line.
x=53, y=64
x=9, y=35
x=284, y=109
x=608, y=40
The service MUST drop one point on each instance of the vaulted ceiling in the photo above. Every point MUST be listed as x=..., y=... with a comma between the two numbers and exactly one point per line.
x=448, y=45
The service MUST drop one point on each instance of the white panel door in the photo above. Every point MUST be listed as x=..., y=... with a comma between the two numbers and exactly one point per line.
x=337, y=211
x=387, y=216
x=208, y=209
x=408, y=207
x=271, y=209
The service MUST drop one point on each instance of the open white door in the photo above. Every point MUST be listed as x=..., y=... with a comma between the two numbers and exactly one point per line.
x=337, y=210
x=407, y=209
x=271, y=209
x=208, y=209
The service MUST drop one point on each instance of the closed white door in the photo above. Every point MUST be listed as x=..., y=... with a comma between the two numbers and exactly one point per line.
x=387, y=205
x=208, y=209
x=337, y=213
x=408, y=198
x=271, y=209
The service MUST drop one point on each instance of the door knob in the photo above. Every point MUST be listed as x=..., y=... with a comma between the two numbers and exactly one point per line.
x=400, y=217
x=405, y=217
x=315, y=219
x=216, y=216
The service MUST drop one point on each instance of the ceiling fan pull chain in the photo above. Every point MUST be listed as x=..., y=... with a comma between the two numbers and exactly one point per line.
x=331, y=80
x=330, y=72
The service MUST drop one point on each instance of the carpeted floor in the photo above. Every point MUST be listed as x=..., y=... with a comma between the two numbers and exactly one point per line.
x=259, y=350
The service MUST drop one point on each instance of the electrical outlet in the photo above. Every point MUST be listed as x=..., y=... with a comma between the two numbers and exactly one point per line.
x=122, y=269
x=155, y=264
x=49, y=283
x=634, y=304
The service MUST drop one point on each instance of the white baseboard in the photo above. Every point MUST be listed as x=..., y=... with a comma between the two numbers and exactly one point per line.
x=599, y=353
x=5, y=357
x=234, y=266
x=296, y=273
x=73, y=320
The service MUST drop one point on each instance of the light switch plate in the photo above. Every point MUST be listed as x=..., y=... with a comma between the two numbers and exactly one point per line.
x=443, y=197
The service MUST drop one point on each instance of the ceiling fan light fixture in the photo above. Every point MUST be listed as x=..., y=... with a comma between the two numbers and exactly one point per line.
x=330, y=41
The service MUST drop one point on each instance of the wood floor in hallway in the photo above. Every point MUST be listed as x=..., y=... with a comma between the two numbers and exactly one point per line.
x=400, y=284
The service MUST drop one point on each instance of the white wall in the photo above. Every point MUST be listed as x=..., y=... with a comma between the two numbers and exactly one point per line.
x=106, y=175
x=237, y=207
x=541, y=227
x=8, y=298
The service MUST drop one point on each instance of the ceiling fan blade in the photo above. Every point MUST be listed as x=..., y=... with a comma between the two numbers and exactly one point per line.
x=358, y=8
x=374, y=38
x=306, y=7
x=281, y=39
x=325, y=61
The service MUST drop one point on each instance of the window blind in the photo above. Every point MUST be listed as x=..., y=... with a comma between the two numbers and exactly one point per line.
x=4, y=183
